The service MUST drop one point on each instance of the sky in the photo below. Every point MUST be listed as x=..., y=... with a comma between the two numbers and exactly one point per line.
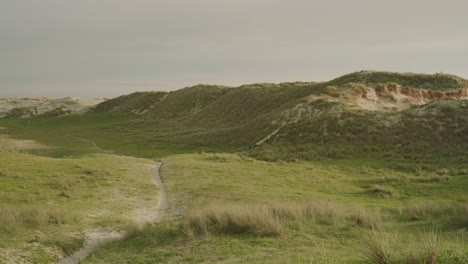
x=106, y=48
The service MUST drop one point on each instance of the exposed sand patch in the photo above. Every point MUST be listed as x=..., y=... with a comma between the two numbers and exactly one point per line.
x=141, y=216
x=28, y=107
x=95, y=238
x=395, y=98
x=9, y=143
x=155, y=211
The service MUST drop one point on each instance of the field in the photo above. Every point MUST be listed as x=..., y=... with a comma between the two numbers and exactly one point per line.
x=237, y=210
x=262, y=173
x=47, y=205
x=231, y=208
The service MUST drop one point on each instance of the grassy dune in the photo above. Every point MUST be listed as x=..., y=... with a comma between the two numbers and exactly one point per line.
x=330, y=182
x=439, y=81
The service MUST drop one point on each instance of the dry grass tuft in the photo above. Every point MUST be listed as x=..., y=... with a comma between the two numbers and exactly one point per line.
x=375, y=247
x=13, y=218
x=382, y=248
x=225, y=157
x=431, y=246
x=382, y=191
x=419, y=211
x=258, y=220
x=274, y=220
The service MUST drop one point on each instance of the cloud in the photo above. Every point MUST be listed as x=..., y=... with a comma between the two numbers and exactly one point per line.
x=65, y=47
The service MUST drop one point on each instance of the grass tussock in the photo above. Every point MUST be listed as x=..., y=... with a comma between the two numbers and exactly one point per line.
x=375, y=247
x=225, y=157
x=13, y=218
x=422, y=211
x=383, y=248
x=257, y=220
x=405, y=179
x=274, y=220
x=382, y=191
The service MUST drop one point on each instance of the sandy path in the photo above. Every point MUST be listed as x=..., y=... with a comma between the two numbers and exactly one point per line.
x=98, y=237
x=95, y=146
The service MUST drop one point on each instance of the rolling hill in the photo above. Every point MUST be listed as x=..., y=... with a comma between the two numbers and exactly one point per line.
x=384, y=114
x=357, y=114
x=263, y=173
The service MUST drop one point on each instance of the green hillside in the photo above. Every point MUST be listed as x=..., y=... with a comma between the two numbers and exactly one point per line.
x=439, y=81
x=316, y=120
x=292, y=121
x=370, y=167
x=133, y=103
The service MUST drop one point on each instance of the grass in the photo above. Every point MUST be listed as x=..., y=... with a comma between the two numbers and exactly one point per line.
x=420, y=211
x=330, y=174
x=274, y=219
x=235, y=209
x=313, y=124
x=382, y=191
x=216, y=220
x=13, y=218
x=236, y=180
x=439, y=81
x=376, y=247
x=430, y=248
x=52, y=201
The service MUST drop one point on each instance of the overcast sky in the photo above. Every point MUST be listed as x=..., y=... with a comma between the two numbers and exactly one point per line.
x=105, y=48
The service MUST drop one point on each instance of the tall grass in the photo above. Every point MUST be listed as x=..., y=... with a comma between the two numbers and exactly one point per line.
x=235, y=219
x=383, y=248
x=375, y=247
x=420, y=211
x=274, y=219
x=432, y=246
x=12, y=218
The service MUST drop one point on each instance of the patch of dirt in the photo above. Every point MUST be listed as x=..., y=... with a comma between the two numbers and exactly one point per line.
x=28, y=107
x=9, y=143
x=95, y=146
x=395, y=98
x=141, y=216
x=154, y=213
x=95, y=238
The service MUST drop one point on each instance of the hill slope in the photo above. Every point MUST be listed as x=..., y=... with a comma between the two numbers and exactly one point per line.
x=378, y=114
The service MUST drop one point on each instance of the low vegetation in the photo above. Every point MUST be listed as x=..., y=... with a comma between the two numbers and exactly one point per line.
x=438, y=81
x=274, y=219
x=51, y=202
x=13, y=218
x=249, y=211
x=262, y=173
x=428, y=247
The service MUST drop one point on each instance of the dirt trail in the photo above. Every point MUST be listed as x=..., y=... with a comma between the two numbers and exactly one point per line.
x=272, y=134
x=98, y=237
x=95, y=146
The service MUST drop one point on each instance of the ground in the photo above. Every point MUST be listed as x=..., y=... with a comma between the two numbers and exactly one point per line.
x=409, y=204
x=48, y=205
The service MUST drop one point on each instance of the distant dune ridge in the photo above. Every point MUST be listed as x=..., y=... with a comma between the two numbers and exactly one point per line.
x=374, y=91
x=29, y=107
x=403, y=115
